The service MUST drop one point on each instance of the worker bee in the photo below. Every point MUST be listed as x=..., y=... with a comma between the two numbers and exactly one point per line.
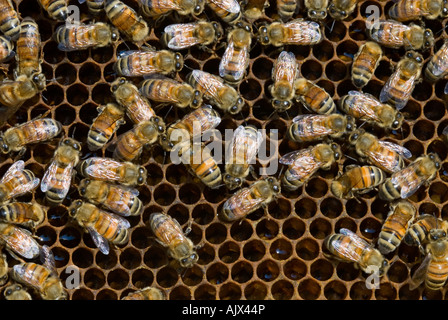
x=6, y=49
x=192, y=125
x=347, y=246
x=17, y=181
x=34, y=131
x=235, y=59
x=433, y=270
x=404, y=183
x=22, y=213
x=227, y=10
x=148, y=61
x=396, y=225
x=215, y=90
x=437, y=67
x=242, y=150
x=130, y=144
x=9, y=20
x=303, y=164
x=365, y=62
x=42, y=278
x=95, y=7
x=185, y=35
x=106, y=169
x=341, y=9
x=137, y=107
x=200, y=163
x=418, y=232
x=3, y=269
x=367, y=108
x=13, y=93
x=126, y=20
x=286, y=8
x=394, y=34
x=254, y=9
x=116, y=198
x=357, y=180
x=158, y=8
x=16, y=292
x=406, y=10
x=245, y=201
x=170, y=235
x=387, y=156
x=18, y=241
x=166, y=90
x=110, y=118
x=398, y=89
x=102, y=226
x=313, y=97
x=284, y=74
x=73, y=37
x=56, y=9
x=148, y=293
x=316, y=9
x=28, y=48
x=310, y=127
x=295, y=32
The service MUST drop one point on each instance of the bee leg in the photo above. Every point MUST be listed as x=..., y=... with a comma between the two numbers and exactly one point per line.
x=188, y=230
x=20, y=154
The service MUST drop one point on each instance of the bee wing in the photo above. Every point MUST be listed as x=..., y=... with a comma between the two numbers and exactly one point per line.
x=303, y=30
x=52, y=179
x=126, y=53
x=293, y=156
x=181, y=36
x=16, y=167
x=409, y=185
x=208, y=82
x=101, y=242
x=164, y=5
x=420, y=274
x=286, y=67
x=241, y=139
x=82, y=41
x=22, y=243
x=445, y=130
x=103, y=170
x=231, y=6
x=47, y=259
x=121, y=206
x=395, y=83
x=402, y=151
x=344, y=250
x=240, y=61
x=302, y=117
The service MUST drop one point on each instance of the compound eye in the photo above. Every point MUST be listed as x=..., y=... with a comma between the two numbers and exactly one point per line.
x=418, y=59
x=35, y=78
x=427, y=44
x=177, y=66
x=234, y=109
x=66, y=141
x=276, y=189
x=114, y=88
x=437, y=165
x=140, y=180
x=82, y=191
x=197, y=9
x=76, y=146
x=409, y=54
x=395, y=124
x=160, y=128
x=313, y=12
x=427, y=33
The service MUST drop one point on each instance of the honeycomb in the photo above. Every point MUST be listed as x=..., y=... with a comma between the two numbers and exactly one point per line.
x=272, y=254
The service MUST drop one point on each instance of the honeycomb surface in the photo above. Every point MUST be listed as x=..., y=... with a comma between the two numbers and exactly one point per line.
x=272, y=255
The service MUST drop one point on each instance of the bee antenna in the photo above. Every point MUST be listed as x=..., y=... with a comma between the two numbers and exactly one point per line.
x=332, y=26
x=272, y=114
x=188, y=67
x=362, y=124
x=287, y=114
x=351, y=158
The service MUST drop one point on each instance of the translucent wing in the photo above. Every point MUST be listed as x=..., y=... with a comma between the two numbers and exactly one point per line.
x=407, y=180
x=16, y=167
x=164, y=5
x=244, y=141
x=119, y=205
x=209, y=84
x=228, y=5
x=181, y=35
x=420, y=274
x=99, y=241
x=243, y=200
x=358, y=242
x=22, y=243
x=47, y=259
x=58, y=180
x=81, y=41
x=394, y=39
x=234, y=62
x=303, y=31
x=302, y=156
x=103, y=169
x=394, y=84
x=285, y=67
x=402, y=151
x=439, y=69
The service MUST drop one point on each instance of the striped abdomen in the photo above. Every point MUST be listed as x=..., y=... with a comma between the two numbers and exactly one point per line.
x=21, y=213
x=393, y=231
x=437, y=273
x=108, y=227
x=13, y=187
x=128, y=147
x=206, y=169
x=160, y=90
x=33, y=131
x=110, y=118
x=138, y=64
x=390, y=34
x=406, y=10
x=318, y=100
x=344, y=248
x=166, y=229
x=126, y=20
x=286, y=8
x=154, y=8
x=122, y=201
x=6, y=49
x=31, y=274
x=311, y=128
x=28, y=48
x=14, y=93
x=57, y=191
x=225, y=14
x=298, y=173
x=242, y=203
x=365, y=177
x=95, y=7
x=418, y=232
x=9, y=19
x=57, y=9
x=365, y=64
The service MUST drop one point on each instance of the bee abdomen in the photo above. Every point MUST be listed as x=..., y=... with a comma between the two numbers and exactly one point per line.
x=388, y=192
x=286, y=8
x=437, y=274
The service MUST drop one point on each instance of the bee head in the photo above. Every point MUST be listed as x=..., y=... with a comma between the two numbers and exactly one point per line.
x=317, y=14
x=39, y=80
x=337, y=152
x=354, y=136
x=159, y=124
x=428, y=38
x=232, y=182
x=237, y=106
x=4, y=146
x=263, y=35
x=165, y=142
x=83, y=186
x=73, y=209
x=281, y=105
x=444, y=13
x=197, y=99
x=117, y=83
x=398, y=121
x=275, y=185
x=218, y=30
x=337, y=14
x=141, y=179
x=189, y=261
x=435, y=159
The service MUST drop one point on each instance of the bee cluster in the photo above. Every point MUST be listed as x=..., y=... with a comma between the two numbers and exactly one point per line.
x=98, y=96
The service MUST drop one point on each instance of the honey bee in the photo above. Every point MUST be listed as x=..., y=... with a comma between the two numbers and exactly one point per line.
x=200, y=163
x=170, y=235
x=214, y=89
x=406, y=10
x=130, y=144
x=102, y=226
x=243, y=149
x=74, y=37
x=116, y=198
x=137, y=107
x=34, y=131
x=394, y=34
x=18, y=241
x=148, y=61
x=148, y=293
x=106, y=169
x=357, y=180
x=3, y=269
x=166, y=90
x=341, y=9
x=191, y=125
x=365, y=62
x=16, y=292
x=185, y=35
x=42, y=278
x=303, y=164
x=316, y=9
x=254, y=9
x=110, y=118
x=295, y=32
x=284, y=74
x=28, y=48
x=387, y=156
x=235, y=59
x=347, y=246
x=310, y=127
x=418, y=232
x=245, y=201
x=437, y=67
x=433, y=270
x=126, y=20
x=9, y=20
x=158, y=8
x=398, y=89
x=396, y=225
x=56, y=9
x=227, y=10
x=95, y=7
x=366, y=107
x=17, y=181
x=404, y=183
x=25, y=214
x=313, y=97
x=6, y=49
x=286, y=8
